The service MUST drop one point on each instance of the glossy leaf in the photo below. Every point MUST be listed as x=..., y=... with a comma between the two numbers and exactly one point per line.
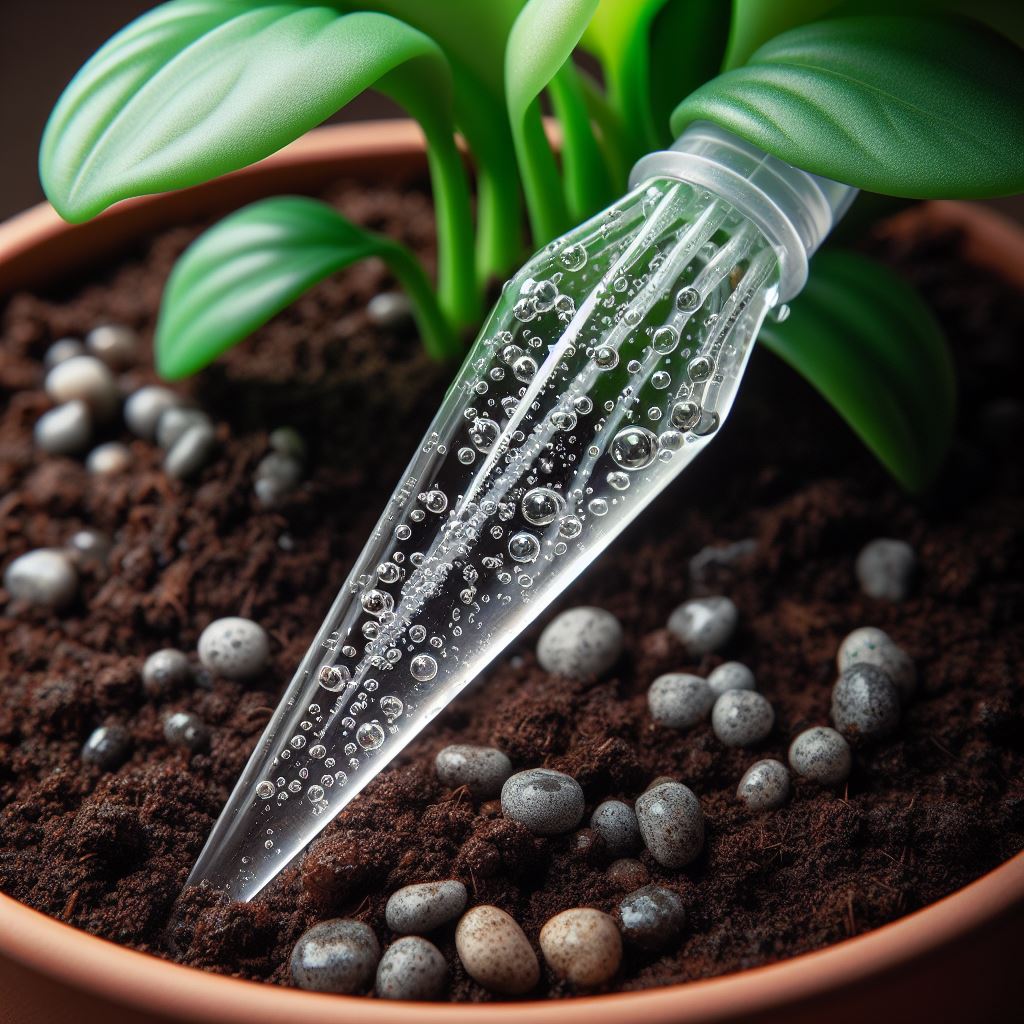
x=866, y=341
x=922, y=107
x=257, y=261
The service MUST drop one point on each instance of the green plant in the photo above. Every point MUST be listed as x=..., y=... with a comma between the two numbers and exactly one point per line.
x=923, y=104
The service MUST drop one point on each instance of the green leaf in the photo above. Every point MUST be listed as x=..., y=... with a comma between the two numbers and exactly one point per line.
x=867, y=341
x=257, y=261
x=921, y=107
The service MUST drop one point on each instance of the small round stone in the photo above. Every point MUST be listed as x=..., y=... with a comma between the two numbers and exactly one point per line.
x=651, y=918
x=495, y=951
x=412, y=968
x=417, y=909
x=582, y=946
x=821, y=755
x=191, y=452
x=143, y=409
x=89, y=547
x=108, y=459
x=84, y=379
x=885, y=569
x=184, y=729
x=871, y=646
x=288, y=441
x=658, y=780
x=44, y=577
x=389, y=309
x=234, y=647
x=764, y=786
x=671, y=824
x=107, y=747
x=547, y=802
x=164, y=671
x=580, y=643
x=741, y=718
x=679, y=701
x=61, y=350
x=65, y=430
x=704, y=624
x=615, y=822
x=276, y=477
x=627, y=873
x=335, y=956
x=483, y=770
x=865, y=702
x=115, y=344
x=731, y=675
x=175, y=420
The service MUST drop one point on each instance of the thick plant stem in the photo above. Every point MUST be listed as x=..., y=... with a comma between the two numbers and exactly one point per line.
x=438, y=337
x=542, y=184
x=611, y=132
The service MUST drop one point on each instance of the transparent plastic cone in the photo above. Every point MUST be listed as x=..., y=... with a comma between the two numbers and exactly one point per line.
x=609, y=363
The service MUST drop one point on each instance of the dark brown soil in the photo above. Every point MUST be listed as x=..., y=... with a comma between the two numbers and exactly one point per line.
x=924, y=813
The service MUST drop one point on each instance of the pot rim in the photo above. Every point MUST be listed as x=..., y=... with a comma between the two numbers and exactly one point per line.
x=29, y=242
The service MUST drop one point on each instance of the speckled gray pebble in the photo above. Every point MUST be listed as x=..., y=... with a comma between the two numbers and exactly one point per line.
x=234, y=647
x=389, y=309
x=865, y=702
x=679, y=701
x=277, y=476
x=65, y=430
x=765, y=785
x=495, y=951
x=143, y=409
x=582, y=946
x=671, y=824
x=871, y=646
x=185, y=729
x=164, y=671
x=548, y=803
x=85, y=379
x=191, y=452
x=731, y=675
x=412, y=968
x=115, y=344
x=651, y=918
x=288, y=441
x=108, y=459
x=615, y=822
x=704, y=624
x=420, y=908
x=885, y=569
x=482, y=769
x=336, y=956
x=581, y=643
x=61, y=350
x=107, y=747
x=742, y=718
x=822, y=755
x=175, y=420
x=45, y=577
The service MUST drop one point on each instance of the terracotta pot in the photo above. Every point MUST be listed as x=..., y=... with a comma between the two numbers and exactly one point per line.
x=953, y=961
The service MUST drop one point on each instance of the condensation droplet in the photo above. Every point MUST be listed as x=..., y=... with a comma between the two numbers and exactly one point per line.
x=265, y=790
x=573, y=257
x=664, y=340
x=523, y=546
x=618, y=480
x=369, y=736
x=700, y=368
x=423, y=667
x=685, y=415
x=598, y=506
x=541, y=506
x=392, y=707
x=634, y=448
x=334, y=677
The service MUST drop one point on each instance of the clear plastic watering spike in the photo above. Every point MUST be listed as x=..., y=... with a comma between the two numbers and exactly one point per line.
x=609, y=363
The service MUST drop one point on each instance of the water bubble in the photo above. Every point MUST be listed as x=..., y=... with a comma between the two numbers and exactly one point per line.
x=314, y=795
x=370, y=685
x=565, y=307
x=524, y=310
x=524, y=368
x=483, y=433
x=392, y=707
x=541, y=506
x=294, y=786
x=709, y=423
x=606, y=358
x=598, y=506
x=685, y=415
x=583, y=405
x=654, y=414
x=376, y=601
x=671, y=441
x=403, y=532
x=661, y=380
x=435, y=501
x=563, y=420
x=466, y=456
x=318, y=751
x=417, y=515
x=688, y=299
x=371, y=630
x=618, y=480
x=573, y=257
x=265, y=790
x=569, y=526
x=298, y=742
x=334, y=677
x=388, y=572
x=634, y=365
x=523, y=546
x=417, y=634
x=700, y=368
x=544, y=296
x=423, y=667
x=664, y=340
x=369, y=736
x=634, y=448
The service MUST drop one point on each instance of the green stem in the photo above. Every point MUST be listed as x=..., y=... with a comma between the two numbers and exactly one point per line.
x=611, y=133
x=440, y=341
x=538, y=170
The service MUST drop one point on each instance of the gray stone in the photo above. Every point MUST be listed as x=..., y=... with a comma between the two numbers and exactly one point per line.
x=108, y=459
x=615, y=822
x=165, y=671
x=61, y=350
x=335, y=956
x=234, y=647
x=704, y=624
x=871, y=646
x=277, y=476
x=582, y=946
x=821, y=755
x=885, y=569
x=548, y=803
x=742, y=718
x=288, y=441
x=671, y=824
x=84, y=379
x=580, y=643
x=483, y=770
x=115, y=344
x=65, y=430
x=865, y=702
x=184, y=729
x=495, y=952
x=412, y=968
x=143, y=409
x=679, y=701
x=731, y=675
x=420, y=908
x=716, y=557
x=45, y=577
x=652, y=918
x=177, y=419
x=89, y=547
x=191, y=452
x=764, y=786
x=389, y=309
x=107, y=747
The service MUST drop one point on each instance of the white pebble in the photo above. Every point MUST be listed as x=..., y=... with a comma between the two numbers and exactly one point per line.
x=741, y=718
x=65, y=430
x=164, y=671
x=335, y=956
x=44, y=577
x=872, y=646
x=108, y=459
x=389, y=309
x=582, y=946
x=764, y=786
x=234, y=647
x=547, y=802
x=483, y=770
x=495, y=952
x=652, y=917
x=89, y=547
x=420, y=908
x=821, y=755
x=61, y=350
x=679, y=701
x=412, y=968
x=115, y=344
x=143, y=409
x=865, y=702
x=615, y=822
x=704, y=624
x=191, y=452
x=671, y=823
x=580, y=643
x=277, y=476
x=731, y=675
x=85, y=379
x=885, y=569
x=174, y=421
